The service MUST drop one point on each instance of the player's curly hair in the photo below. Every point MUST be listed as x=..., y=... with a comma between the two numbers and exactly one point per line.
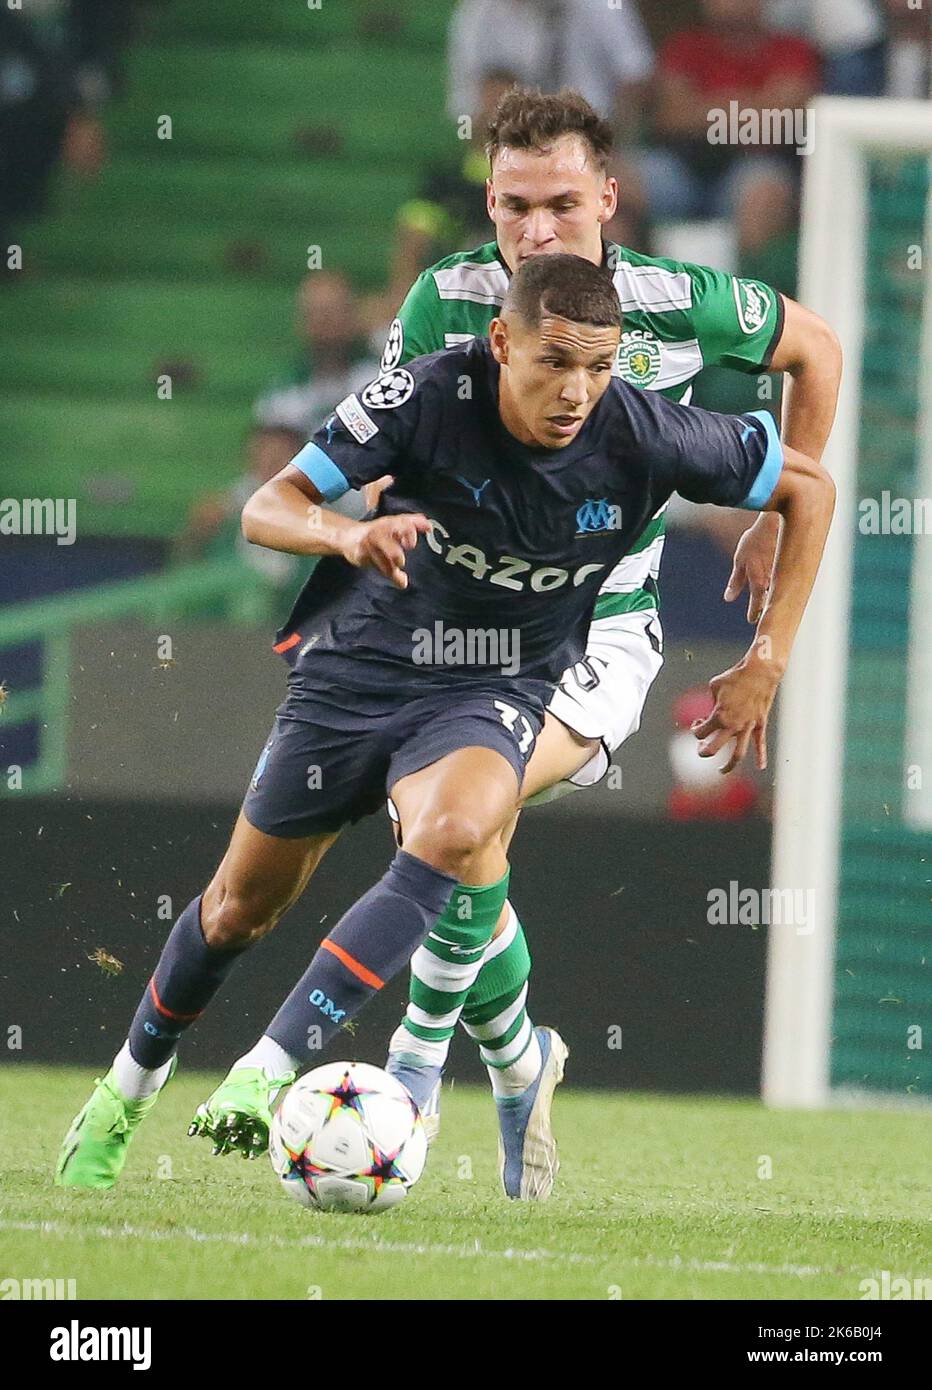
x=528, y=119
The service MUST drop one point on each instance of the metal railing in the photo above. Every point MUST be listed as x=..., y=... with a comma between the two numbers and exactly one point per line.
x=233, y=592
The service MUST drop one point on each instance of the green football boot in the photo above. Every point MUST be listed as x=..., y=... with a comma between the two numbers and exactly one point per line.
x=95, y=1147
x=238, y=1116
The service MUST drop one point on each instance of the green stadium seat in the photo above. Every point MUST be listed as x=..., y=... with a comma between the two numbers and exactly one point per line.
x=284, y=132
x=251, y=77
x=319, y=196
x=184, y=319
x=288, y=21
x=176, y=251
x=412, y=22
x=95, y=369
x=135, y=468
x=292, y=127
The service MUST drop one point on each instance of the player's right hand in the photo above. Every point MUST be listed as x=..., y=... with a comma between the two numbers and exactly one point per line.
x=744, y=695
x=753, y=564
x=383, y=543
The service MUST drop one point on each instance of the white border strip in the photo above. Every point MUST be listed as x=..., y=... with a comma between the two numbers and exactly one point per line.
x=811, y=723
x=797, y=1026
x=811, y=709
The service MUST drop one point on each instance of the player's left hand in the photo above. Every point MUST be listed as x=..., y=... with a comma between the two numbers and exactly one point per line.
x=753, y=564
x=743, y=699
x=373, y=491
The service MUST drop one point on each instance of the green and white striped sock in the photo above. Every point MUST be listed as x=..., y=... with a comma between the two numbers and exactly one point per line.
x=495, y=1015
x=444, y=969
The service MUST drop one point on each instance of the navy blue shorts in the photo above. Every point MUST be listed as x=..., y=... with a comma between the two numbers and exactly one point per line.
x=327, y=764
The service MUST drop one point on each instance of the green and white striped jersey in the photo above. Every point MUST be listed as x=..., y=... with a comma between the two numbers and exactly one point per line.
x=678, y=318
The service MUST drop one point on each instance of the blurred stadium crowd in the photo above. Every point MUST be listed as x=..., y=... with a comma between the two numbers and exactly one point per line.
x=61, y=63
x=655, y=71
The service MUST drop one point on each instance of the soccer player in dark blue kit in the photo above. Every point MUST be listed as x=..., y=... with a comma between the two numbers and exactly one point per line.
x=424, y=649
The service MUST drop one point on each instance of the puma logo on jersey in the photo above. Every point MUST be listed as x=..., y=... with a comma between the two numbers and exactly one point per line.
x=471, y=487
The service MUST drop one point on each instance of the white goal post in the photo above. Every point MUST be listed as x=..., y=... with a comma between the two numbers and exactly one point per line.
x=810, y=746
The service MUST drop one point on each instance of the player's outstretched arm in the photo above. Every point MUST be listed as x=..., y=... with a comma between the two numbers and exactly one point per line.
x=810, y=353
x=804, y=498
x=286, y=514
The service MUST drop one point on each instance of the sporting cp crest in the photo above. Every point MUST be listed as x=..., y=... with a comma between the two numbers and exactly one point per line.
x=639, y=358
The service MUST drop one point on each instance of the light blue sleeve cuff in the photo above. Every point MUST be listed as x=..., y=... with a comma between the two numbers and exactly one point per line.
x=770, y=469
x=322, y=471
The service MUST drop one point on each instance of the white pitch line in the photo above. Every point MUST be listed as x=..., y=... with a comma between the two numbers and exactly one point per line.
x=379, y=1246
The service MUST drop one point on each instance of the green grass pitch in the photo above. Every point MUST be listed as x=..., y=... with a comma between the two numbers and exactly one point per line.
x=657, y=1198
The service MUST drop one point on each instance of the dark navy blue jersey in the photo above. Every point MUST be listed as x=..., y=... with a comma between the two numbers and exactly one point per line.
x=522, y=537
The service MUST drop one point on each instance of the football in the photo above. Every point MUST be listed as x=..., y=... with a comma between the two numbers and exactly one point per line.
x=348, y=1137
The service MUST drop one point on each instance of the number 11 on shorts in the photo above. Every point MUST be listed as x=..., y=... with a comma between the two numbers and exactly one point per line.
x=510, y=717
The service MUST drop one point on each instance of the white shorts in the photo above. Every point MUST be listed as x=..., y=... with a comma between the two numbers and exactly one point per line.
x=603, y=695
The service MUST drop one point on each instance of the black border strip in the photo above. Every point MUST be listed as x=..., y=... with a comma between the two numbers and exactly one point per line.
x=777, y=333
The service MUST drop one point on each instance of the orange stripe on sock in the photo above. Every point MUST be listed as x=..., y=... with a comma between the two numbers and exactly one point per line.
x=179, y=1018
x=358, y=970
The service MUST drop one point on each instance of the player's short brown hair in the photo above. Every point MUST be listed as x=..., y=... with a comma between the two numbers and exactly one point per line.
x=528, y=119
x=566, y=287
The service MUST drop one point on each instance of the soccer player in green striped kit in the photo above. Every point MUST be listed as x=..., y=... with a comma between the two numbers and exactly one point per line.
x=548, y=192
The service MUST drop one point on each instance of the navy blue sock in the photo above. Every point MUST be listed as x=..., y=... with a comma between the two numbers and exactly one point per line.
x=371, y=942
x=187, y=977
